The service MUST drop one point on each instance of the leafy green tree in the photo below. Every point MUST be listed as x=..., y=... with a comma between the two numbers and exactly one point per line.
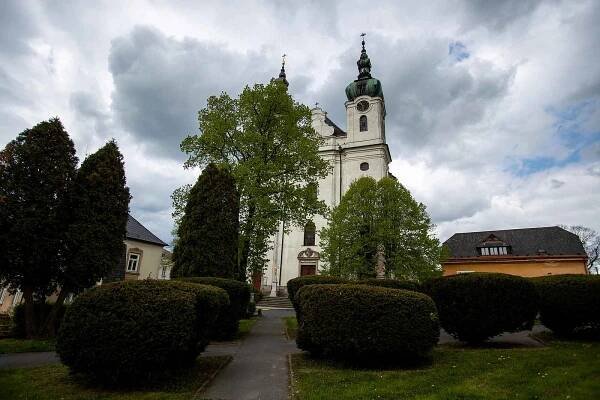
x=208, y=233
x=96, y=210
x=36, y=170
x=267, y=141
x=372, y=213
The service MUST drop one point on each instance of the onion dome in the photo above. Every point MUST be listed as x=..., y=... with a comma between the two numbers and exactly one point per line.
x=365, y=85
x=282, y=77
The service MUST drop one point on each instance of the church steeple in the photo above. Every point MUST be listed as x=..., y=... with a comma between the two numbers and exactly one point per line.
x=365, y=84
x=364, y=63
x=282, y=77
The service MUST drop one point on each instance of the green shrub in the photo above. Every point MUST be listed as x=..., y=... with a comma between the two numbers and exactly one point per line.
x=239, y=297
x=569, y=302
x=362, y=323
x=294, y=285
x=41, y=312
x=133, y=331
x=392, y=284
x=474, y=307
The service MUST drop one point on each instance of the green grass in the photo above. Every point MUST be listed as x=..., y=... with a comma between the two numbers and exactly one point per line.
x=25, y=345
x=563, y=370
x=291, y=327
x=54, y=382
x=245, y=326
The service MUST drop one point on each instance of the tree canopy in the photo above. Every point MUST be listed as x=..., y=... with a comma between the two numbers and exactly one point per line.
x=373, y=213
x=208, y=233
x=267, y=141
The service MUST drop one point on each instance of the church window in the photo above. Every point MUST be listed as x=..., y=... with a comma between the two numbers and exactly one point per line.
x=364, y=166
x=363, y=123
x=309, y=233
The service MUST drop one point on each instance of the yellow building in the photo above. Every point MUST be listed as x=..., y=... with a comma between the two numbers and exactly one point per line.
x=144, y=258
x=525, y=252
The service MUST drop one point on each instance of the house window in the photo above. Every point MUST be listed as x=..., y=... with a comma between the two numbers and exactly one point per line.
x=309, y=233
x=363, y=123
x=494, y=251
x=2, y=293
x=133, y=262
x=364, y=166
x=17, y=298
x=164, y=272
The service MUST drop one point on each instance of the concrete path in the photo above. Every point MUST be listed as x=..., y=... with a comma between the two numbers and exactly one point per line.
x=259, y=369
x=23, y=360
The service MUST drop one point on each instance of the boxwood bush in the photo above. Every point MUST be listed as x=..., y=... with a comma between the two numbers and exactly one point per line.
x=294, y=285
x=476, y=306
x=239, y=297
x=569, y=302
x=366, y=323
x=393, y=284
x=133, y=331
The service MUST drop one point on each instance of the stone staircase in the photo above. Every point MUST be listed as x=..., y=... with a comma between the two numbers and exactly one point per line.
x=5, y=325
x=275, y=302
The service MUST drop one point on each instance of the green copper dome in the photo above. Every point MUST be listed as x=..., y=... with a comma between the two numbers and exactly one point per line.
x=365, y=85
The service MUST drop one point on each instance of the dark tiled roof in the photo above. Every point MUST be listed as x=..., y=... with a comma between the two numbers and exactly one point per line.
x=523, y=242
x=137, y=231
x=337, y=131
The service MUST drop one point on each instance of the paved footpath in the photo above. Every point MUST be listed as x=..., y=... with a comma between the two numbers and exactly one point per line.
x=259, y=369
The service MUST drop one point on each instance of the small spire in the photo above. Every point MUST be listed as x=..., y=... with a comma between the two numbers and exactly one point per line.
x=282, y=76
x=364, y=63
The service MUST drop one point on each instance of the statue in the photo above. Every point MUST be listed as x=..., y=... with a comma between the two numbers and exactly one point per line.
x=380, y=267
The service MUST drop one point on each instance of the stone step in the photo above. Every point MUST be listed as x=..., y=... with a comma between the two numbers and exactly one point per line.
x=275, y=302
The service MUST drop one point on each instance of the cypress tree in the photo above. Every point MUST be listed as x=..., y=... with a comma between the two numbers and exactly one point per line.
x=36, y=170
x=96, y=208
x=208, y=232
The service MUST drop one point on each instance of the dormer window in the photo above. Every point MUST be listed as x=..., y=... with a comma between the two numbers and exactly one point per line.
x=494, y=251
x=493, y=246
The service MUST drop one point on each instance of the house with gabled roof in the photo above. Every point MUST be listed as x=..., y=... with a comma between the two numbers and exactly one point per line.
x=526, y=252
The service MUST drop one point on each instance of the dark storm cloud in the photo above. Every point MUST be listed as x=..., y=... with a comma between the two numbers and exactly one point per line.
x=162, y=82
x=497, y=15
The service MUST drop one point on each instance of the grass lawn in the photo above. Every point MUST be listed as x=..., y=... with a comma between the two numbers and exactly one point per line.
x=54, y=382
x=563, y=370
x=291, y=327
x=25, y=345
x=245, y=326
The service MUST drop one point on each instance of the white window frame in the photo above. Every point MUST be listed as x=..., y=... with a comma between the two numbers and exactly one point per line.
x=137, y=262
x=2, y=295
x=17, y=298
x=464, y=272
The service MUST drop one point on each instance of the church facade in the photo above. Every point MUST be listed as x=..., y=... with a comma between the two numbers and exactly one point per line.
x=360, y=150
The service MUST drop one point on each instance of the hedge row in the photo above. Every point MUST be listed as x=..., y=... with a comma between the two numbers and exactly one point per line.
x=239, y=299
x=366, y=323
x=133, y=331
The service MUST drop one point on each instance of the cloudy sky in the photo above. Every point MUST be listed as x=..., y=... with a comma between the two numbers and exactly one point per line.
x=493, y=108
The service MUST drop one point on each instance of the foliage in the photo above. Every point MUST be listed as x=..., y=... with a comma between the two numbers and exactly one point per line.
x=208, y=232
x=226, y=327
x=392, y=284
x=36, y=171
x=134, y=331
x=294, y=285
x=372, y=213
x=569, y=302
x=590, y=239
x=360, y=322
x=41, y=312
x=267, y=140
x=460, y=374
x=474, y=307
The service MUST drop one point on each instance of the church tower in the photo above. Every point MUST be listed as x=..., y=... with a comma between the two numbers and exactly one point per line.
x=359, y=151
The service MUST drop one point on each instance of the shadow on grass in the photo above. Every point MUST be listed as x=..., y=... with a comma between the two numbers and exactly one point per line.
x=371, y=364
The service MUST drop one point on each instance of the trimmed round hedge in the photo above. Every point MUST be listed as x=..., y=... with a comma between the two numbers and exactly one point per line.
x=294, y=285
x=476, y=306
x=569, y=302
x=366, y=323
x=226, y=326
x=392, y=284
x=133, y=331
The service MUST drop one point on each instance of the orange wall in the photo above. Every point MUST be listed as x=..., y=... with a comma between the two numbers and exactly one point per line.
x=522, y=268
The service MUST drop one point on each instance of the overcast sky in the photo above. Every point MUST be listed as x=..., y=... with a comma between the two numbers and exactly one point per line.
x=493, y=108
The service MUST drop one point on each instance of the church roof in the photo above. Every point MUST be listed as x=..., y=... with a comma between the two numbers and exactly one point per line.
x=548, y=241
x=337, y=131
x=137, y=231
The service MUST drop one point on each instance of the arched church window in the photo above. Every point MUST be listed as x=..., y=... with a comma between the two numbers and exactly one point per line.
x=363, y=123
x=364, y=166
x=309, y=233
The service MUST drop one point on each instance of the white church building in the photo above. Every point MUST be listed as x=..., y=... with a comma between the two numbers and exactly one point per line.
x=360, y=150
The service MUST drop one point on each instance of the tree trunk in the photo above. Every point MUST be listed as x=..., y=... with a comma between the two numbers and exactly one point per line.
x=245, y=251
x=51, y=318
x=30, y=326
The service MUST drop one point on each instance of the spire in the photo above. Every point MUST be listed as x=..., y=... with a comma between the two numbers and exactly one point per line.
x=364, y=63
x=282, y=77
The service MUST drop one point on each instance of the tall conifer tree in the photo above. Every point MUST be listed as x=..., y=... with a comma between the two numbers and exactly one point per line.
x=36, y=170
x=208, y=232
